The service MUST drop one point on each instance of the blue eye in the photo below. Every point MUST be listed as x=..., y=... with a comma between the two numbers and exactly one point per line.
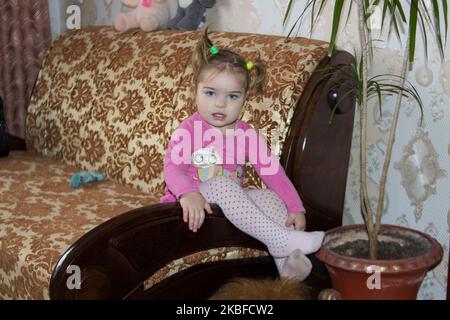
x=233, y=96
x=210, y=93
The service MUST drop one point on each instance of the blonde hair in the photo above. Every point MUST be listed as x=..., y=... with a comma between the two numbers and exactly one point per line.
x=225, y=59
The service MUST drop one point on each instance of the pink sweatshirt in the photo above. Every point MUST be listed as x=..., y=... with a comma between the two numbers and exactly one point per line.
x=198, y=152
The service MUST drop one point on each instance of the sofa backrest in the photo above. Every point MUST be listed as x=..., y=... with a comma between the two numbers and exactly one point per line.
x=109, y=101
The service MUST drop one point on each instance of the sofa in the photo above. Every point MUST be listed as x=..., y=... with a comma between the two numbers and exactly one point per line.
x=108, y=101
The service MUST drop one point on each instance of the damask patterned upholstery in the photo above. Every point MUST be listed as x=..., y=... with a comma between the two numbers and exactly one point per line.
x=41, y=216
x=109, y=101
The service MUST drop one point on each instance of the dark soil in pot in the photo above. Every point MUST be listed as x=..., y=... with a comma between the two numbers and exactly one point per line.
x=392, y=245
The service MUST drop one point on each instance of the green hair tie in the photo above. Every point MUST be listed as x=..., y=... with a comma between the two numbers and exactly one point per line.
x=214, y=50
x=249, y=65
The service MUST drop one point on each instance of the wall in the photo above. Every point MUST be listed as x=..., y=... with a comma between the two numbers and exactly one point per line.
x=418, y=182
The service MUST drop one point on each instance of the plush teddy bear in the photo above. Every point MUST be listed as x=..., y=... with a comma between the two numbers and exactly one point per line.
x=191, y=17
x=149, y=15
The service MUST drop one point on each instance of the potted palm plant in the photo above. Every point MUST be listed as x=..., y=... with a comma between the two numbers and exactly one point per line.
x=374, y=260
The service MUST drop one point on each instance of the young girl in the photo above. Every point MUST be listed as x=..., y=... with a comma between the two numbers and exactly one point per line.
x=205, y=162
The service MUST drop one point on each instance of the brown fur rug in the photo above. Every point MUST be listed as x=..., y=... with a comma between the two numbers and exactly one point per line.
x=262, y=289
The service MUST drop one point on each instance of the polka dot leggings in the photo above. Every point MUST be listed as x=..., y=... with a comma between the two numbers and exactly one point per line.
x=243, y=209
x=298, y=266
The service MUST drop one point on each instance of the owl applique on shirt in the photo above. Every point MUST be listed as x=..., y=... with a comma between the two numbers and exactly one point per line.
x=209, y=164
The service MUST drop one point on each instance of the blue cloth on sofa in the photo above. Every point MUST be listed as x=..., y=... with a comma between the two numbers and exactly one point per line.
x=86, y=177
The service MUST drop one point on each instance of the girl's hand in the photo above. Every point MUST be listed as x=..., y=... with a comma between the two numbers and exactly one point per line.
x=297, y=219
x=194, y=206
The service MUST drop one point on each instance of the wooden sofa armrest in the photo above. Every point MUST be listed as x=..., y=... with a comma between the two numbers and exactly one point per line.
x=115, y=258
x=316, y=153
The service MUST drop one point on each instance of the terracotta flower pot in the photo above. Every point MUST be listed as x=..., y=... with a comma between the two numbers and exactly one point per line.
x=385, y=278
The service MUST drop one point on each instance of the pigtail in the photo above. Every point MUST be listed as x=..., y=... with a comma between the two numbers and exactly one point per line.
x=200, y=53
x=258, y=76
x=206, y=54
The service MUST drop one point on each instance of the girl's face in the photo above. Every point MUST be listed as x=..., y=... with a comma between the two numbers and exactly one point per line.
x=220, y=97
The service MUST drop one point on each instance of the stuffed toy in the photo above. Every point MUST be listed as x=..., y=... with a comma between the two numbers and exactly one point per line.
x=85, y=177
x=191, y=17
x=148, y=15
